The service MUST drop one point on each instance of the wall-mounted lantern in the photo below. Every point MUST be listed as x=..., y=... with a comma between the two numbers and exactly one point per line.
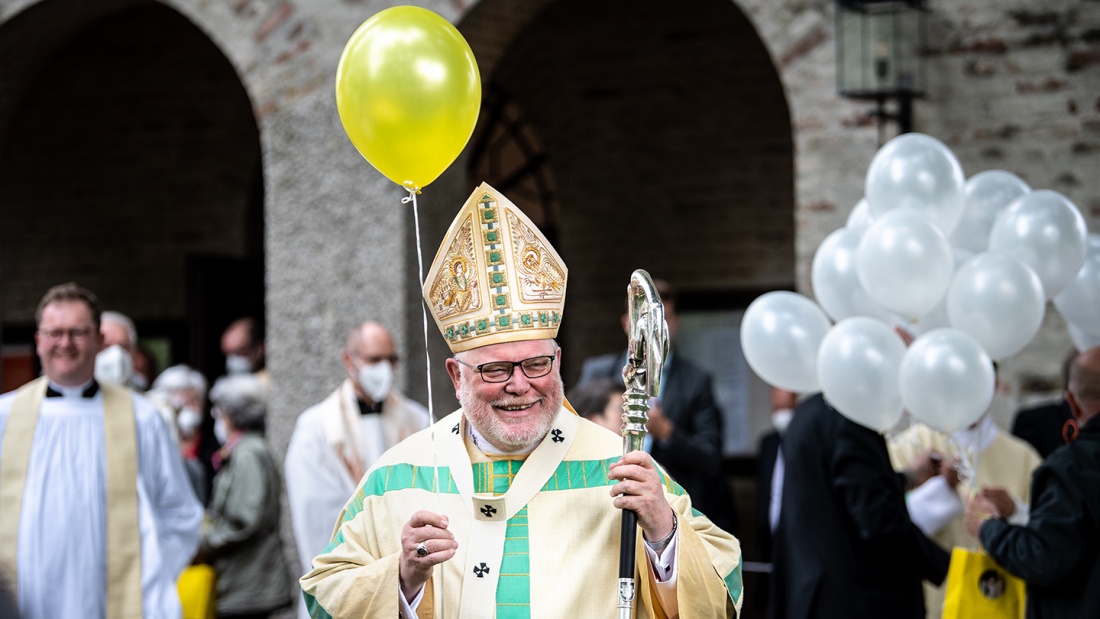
x=878, y=48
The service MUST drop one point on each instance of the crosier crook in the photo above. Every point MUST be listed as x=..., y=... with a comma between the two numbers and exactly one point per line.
x=645, y=358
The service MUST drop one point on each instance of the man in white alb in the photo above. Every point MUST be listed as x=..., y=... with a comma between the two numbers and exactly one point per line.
x=97, y=518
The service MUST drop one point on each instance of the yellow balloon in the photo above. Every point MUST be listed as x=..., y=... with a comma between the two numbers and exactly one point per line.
x=408, y=92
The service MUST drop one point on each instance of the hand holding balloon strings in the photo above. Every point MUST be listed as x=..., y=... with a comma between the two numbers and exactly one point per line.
x=408, y=93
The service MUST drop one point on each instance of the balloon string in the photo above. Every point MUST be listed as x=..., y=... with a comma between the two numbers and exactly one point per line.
x=427, y=373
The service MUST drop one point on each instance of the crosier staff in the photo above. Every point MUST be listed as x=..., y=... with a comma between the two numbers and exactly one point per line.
x=646, y=351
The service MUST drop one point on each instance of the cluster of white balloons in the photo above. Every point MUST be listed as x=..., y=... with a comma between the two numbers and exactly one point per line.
x=964, y=265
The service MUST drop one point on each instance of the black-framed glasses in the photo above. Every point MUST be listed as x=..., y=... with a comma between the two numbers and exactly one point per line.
x=501, y=371
x=76, y=335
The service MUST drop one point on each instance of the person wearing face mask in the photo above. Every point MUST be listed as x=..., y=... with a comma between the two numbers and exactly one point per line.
x=336, y=441
x=240, y=536
x=115, y=363
x=769, y=483
x=986, y=461
x=243, y=346
x=182, y=391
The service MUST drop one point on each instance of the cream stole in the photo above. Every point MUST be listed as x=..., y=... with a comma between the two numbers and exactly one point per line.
x=120, y=445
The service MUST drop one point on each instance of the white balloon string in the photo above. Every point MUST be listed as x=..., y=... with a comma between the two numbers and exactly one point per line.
x=427, y=372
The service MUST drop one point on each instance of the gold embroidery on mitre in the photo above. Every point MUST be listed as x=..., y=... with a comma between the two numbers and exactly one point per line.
x=456, y=291
x=495, y=278
x=540, y=277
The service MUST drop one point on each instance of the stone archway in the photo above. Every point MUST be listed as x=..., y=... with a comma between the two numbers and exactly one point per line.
x=130, y=159
x=669, y=138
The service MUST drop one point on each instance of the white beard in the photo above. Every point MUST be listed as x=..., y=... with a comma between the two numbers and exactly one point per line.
x=502, y=434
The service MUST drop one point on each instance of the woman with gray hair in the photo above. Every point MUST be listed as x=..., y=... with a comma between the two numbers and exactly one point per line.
x=180, y=394
x=241, y=535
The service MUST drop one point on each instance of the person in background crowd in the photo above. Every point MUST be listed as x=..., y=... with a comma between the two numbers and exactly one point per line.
x=531, y=516
x=995, y=464
x=600, y=401
x=685, y=423
x=769, y=479
x=844, y=545
x=108, y=520
x=241, y=536
x=337, y=440
x=182, y=390
x=243, y=347
x=115, y=363
x=1057, y=552
x=769, y=484
x=1043, y=425
x=145, y=368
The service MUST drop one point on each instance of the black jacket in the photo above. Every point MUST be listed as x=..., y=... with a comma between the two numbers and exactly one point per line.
x=845, y=546
x=1058, y=552
x=1042, y=426
x=693, y=454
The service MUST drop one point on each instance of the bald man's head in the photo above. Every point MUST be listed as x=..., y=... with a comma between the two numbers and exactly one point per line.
x=371, y=335
x=368, y=344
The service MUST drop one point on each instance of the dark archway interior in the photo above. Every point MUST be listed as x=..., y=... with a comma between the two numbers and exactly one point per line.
x=664, y=132
x=130, y=162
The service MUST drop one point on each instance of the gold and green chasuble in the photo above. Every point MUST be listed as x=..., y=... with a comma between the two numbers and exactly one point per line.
x=538, y=538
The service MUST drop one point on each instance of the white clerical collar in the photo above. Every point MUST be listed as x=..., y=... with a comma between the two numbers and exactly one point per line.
x=977, y=437
x=490, y=449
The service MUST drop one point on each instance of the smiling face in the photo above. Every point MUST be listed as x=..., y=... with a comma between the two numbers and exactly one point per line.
x=514, y=414
x=68, y=360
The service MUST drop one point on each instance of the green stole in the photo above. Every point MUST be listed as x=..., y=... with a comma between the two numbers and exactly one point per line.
x=497, y=515
x=120, y=446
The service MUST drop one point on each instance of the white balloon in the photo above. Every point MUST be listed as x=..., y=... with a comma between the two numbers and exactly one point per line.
x=918, y=172
x=985, y=195
x=946, y=380
x=859, y=219
x=835, y=282
x=999, y=301
x=780, y=334
x=1079, y=302
x=857, y=366
x=937, y=317
x=904, y=263
x=1082, y=340
x=1047, y=233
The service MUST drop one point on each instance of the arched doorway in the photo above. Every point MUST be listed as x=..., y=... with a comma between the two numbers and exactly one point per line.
x=666, y=137
x=129, y=162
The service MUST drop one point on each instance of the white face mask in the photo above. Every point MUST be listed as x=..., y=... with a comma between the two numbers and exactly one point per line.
x=188, y=421
x=236, y=364
x=220, y=431
x=113, y=365
x=781, y=419
x=375, y=380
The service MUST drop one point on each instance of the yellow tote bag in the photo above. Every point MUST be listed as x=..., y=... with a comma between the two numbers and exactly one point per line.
x=978, y=588
x=196, y=588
